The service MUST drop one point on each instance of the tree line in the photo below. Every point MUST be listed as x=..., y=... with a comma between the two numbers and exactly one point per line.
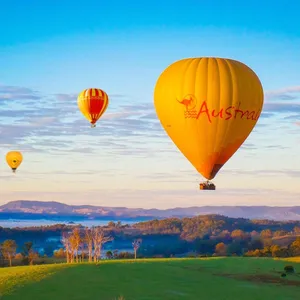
x=198, y=236
x=79, y=244
x=8, y=251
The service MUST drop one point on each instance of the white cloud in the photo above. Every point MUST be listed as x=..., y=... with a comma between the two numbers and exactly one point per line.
x=288, y=93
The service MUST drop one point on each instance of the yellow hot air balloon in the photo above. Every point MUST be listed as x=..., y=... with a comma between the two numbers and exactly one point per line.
x=208, y=106
x=14, y=159
x=92, y=103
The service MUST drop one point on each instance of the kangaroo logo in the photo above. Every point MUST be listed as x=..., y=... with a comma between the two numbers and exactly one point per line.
x=189, y=101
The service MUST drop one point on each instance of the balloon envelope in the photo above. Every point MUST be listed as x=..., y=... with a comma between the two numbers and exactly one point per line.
x=208, y=107
x=14, y=159
x=92, y=104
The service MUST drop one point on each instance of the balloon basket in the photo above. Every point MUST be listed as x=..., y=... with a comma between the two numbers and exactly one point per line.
x=93, y=125
x=207, y=186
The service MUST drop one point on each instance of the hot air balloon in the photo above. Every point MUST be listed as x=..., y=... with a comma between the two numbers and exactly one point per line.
x=92, y=103
x=14, y=159
x=208, y=106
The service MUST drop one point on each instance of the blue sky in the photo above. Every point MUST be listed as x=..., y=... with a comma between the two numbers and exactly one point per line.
x=51, y=50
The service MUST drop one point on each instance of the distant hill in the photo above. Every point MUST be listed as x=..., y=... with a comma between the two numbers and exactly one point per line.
x=53, y=208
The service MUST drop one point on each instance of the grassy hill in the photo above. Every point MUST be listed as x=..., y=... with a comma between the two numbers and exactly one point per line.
x=213, y=278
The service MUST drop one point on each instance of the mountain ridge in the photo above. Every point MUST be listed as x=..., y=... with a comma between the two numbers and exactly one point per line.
x=54, y=208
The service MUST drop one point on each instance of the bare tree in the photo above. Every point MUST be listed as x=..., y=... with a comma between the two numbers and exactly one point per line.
x=88, y=237
x=66, y=242
x=76, y=241
x=136, y=244
x=99, y=239
x=73, y=244
x=93, y=238
x=82, y=248
x=9, y=249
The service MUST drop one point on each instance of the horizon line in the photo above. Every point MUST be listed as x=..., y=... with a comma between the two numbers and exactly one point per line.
x=163, y=209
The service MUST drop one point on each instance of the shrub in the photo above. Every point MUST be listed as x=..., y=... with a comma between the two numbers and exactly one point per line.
x=19, y=256
x=283, y=275
x=25, y=261
x=289, y=269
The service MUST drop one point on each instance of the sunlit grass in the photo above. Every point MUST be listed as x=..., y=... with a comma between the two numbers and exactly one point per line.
x=16, y=277
x=152, y=260
x=292, y=259
x=162, y=278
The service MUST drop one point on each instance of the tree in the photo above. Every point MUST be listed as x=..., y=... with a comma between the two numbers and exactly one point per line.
x=221, y=249
x=109, y=254
x=119, y=224
x=60, y=253
x=238, y=234
x=88, y=238
x=111, y=224
x=32, y=256
x=235, y=248
x=27, y=247
x=9, y=249
x=125, y=255
x=267, y=251
x=254, y=234
x=225, y=235
x=66, y=242
x=257, y=253
x=99, y=239
x=28, y=253
x=72, y=243
x=115, y=254
x=256, y=243
x=19, y=256
x=266, y=234
x=297, y=229
x=25, y=252
x=76, y=241
x=136, y=244
x=295, y=247
x=275, y=250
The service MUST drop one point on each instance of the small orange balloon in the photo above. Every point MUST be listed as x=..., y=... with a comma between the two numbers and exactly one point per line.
x=14, y=159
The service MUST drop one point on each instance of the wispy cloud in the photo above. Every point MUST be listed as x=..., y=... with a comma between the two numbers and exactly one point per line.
x=8, y=92
x=249, y=146
x=284, y=103
x=266, y=172
x=289, y=93
x=282, y=107
x=66, y=97
x=293, y=117
x=73, y=96
x=54, y=123
x=266, y=115
x=49, y=123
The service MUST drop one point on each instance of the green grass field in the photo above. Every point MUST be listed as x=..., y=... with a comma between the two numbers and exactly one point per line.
x=203, y=279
